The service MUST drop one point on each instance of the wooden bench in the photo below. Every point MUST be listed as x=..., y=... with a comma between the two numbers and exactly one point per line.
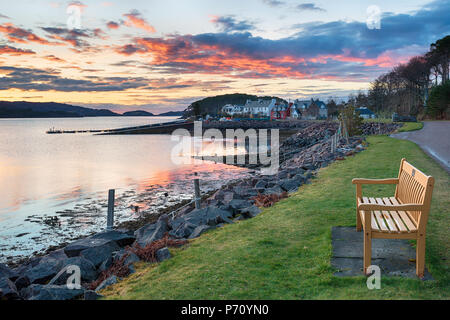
x=403, y=216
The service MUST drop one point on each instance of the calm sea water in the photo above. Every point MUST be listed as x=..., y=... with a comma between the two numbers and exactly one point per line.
x=68, y=176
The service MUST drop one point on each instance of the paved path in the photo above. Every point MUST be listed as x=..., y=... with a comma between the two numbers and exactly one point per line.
x=434, y=139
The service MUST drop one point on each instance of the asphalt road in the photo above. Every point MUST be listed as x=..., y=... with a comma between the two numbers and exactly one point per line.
x=434, y=139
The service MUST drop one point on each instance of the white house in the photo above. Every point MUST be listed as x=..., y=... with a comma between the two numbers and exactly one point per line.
x=232, y=109
x=259, y=107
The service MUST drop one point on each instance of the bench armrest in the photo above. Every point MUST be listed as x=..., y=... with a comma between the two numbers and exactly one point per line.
x=386, y=207
x=375, y=181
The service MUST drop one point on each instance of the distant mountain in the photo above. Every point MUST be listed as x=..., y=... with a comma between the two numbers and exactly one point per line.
x=22, y=109
x=138, y=113
x=213, y=105
x=171, y=114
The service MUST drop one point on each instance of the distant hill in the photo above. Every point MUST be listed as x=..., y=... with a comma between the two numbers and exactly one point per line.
x=138, y=113
x=213, y=105
x=171, y=114
x=22, y=109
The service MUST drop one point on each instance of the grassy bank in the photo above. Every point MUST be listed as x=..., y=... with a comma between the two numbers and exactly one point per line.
x=407, y=126
x=285, y=252
x=411, y=126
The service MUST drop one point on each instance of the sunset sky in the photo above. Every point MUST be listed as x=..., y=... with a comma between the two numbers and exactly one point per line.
x=160, y=55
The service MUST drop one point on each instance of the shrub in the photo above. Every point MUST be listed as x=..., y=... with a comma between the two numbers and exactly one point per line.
x=352, y=120
x=439, y=101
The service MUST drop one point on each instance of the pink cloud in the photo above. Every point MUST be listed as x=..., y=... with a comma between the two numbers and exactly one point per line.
x=135, y=20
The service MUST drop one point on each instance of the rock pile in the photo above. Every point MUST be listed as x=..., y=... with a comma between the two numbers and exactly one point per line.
x=255, y=124
x=369, y=128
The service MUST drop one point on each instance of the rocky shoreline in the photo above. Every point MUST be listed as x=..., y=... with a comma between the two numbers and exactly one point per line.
x=105, y=257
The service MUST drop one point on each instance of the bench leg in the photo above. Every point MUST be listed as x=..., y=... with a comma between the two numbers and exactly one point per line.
x=420, y=256
x=358, y=217
x=367, y=250
x=358, y=221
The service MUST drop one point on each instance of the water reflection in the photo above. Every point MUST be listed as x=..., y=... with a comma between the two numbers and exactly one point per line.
x=68, y=175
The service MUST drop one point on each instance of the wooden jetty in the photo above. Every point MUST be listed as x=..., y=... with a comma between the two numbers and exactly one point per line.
x=158, y=128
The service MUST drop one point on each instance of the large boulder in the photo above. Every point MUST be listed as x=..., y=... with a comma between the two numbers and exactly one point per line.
x=208, y=216
x=284, y=174
x=97, y=255
x=152, y=232
x=250, y=212
x=211, y=216
x=274, y=190
x=108, y=282
x=51, y=292
x=183, y=230
x=261, y=184
x=106, y=264
x=22, y=282
x=88, y=271
x=6, y=272
x=290, y=184
x=130, y=257
x=295, y=171
x=199, y=230
x=8, y=290
x=44, y=271
x=121, y=237
x=91, y=295
x=163, y=254
x=237, y=205
x=245, y=191
x=99, y=240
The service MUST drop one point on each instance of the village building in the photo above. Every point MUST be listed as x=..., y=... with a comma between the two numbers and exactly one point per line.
x=366, y=113
x=281, y=111
x=306, y=109
x=253, y=109
x=312, y=109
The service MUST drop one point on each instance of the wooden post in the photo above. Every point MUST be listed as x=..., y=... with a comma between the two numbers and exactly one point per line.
x=110, y=219
x=197, y=192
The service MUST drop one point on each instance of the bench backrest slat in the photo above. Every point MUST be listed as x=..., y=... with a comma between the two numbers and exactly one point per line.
x=414, y=187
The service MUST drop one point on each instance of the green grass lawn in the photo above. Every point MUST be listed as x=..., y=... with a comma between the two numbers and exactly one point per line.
x=411, y=126
x=285, y=252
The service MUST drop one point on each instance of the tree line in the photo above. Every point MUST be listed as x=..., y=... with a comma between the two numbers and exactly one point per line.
x=420, y=87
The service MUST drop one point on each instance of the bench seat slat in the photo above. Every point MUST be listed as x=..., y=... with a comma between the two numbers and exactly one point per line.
x=387, y=217
x=405, y=217
x=398, y=221
x=389, y=221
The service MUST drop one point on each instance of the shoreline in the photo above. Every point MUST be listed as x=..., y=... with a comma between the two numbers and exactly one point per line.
x=237, y=200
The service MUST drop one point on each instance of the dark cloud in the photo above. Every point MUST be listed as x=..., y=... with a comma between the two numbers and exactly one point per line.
x=310, y=7
x=45, y=80
x=74, y=37
x=230, y=24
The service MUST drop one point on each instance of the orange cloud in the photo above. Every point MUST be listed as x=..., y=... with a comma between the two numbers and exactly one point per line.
x=15, y=51
x=19, y=35
x=112, y=25
x=134, y=19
